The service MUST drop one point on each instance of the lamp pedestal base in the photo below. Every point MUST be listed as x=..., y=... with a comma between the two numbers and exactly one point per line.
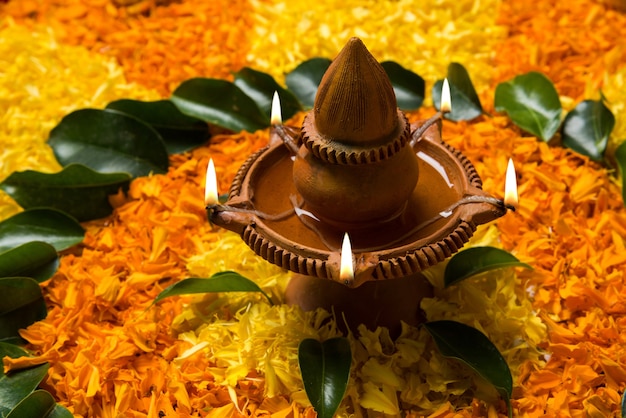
x=376, y=303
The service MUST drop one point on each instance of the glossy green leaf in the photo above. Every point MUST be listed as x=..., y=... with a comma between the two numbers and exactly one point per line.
x=35, y=259
x=108, y=142
x=226, y=281
x=21, y=304
x=620, y=157
x=12, y=351
x=478, y=260
x=219, y=102
x=76, y=190
x=60, y=412
x=17, y=385
x=180, y=132
x=532, y=103
x=37, y=404
x=472, y=347
x=305, y=78
x=325, y=369
x=17, y=340
x=465, y=101
x=42, y=224
x=586, y=129
x=260, y=87
x=408, y=86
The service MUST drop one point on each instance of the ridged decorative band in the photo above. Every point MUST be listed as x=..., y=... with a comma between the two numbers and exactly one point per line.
x=235, y=186
x=392, y=268
x=468, y=167
x=346, y=154
x=282, y=257
x=427, y=256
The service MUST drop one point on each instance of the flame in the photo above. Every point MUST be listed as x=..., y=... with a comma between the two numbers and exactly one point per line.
x=446, y=100
x=276, y=118
x=510, y=186
x=210, y=192
x=346, y=271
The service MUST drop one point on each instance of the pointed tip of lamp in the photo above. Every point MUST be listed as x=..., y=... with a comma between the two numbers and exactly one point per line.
x=355, y=101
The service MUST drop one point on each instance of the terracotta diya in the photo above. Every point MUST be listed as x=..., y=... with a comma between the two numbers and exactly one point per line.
x=357, y=168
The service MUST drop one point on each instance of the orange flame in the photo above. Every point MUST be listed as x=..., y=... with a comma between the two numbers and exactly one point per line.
x=276, y=114
x=346, y=271
x=510, y=186
x=446, y=100
x=210, y=192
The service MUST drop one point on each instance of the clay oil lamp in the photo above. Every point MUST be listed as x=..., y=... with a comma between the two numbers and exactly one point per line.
x=359, y=183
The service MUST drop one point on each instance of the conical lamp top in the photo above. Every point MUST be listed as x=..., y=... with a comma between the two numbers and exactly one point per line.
x=355, y=102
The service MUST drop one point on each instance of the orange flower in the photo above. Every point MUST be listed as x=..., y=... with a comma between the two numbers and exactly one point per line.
x=560, y=325
x=160, y=49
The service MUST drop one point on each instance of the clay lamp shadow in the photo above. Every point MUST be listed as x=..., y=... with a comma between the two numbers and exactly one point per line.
x=357, y=182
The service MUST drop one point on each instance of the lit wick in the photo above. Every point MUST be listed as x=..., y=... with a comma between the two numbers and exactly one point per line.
x=511, y=199
x=213, y=206
x=276, y=120
x=446, y=100
x=276, y=116
x=346, y=271
x=278, y=131
x=210, y=192
x=444, y=107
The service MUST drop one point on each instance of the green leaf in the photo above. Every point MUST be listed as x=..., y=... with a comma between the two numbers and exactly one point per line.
x=77, y=190
x=109, y=142
x=532, y=103
x=305, y=78
x=260, y=87
x=408, y=86
x=180, y=132
x=472, y=347
x=17, y=385
x=620, y=157
x=48, y=225
x=13, y=340
x=60, y=412
x=624, y=405
x=465, y=101
x=587, y=127
x=35, y=259
x=225, y=281
x=478, y=260
x=37, y=404
x=12, y=351
x=219, y=102
x=21, y=304
x=325, y=369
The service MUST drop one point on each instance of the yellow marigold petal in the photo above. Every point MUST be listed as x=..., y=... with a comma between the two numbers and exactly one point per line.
x=24, y=362
x=274, y=404
x=544, y=380
x=443, y=411
x=159, y=242
x=225, y=411
x=290, y=32
x=93, y=386
x=614, y=371
x=379, y=399
x=378, y=373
